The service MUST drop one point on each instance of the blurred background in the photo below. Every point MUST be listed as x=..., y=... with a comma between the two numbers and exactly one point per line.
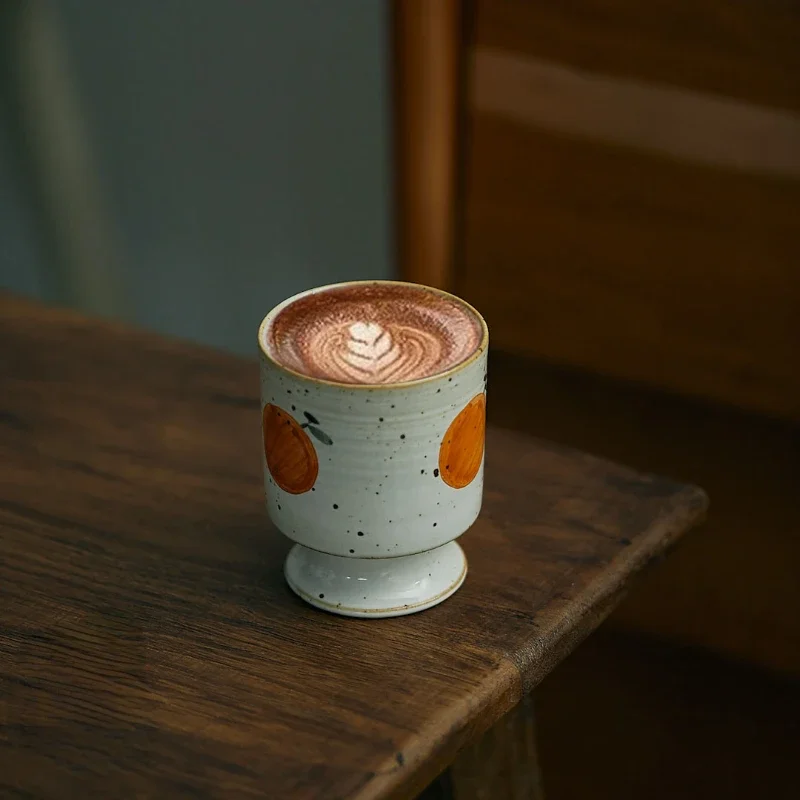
x=187, y=165
x=616, y=185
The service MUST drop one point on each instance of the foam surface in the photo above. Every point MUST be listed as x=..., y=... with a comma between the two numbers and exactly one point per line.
x=373, y=334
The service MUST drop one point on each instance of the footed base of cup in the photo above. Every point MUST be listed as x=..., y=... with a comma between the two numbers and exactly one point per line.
x=375, y=587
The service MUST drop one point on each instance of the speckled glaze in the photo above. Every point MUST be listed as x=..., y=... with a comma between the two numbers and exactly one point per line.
x=373, y=482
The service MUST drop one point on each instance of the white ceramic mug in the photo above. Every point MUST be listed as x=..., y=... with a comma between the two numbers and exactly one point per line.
x=374, y=482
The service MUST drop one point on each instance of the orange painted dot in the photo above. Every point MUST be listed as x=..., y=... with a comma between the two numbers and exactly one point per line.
x=461, y=451
x=291, y=457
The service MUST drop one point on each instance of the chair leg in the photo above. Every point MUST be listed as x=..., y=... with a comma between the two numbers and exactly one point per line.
x=503, y=763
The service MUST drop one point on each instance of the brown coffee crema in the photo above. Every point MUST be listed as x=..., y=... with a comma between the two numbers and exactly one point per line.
x=373, y=333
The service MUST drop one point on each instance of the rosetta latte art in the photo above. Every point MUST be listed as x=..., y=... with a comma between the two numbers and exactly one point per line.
x=366, y=352
x=374, y=334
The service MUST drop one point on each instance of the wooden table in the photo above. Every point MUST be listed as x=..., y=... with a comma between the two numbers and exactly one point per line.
x=150, y=648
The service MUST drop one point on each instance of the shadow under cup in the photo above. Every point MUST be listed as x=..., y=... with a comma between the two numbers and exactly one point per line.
x=374, y=482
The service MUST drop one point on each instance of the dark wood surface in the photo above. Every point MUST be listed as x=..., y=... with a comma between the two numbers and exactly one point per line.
x=148, y=644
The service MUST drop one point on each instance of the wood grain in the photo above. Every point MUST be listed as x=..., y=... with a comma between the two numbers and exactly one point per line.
x=149, y=644
x=631, y=192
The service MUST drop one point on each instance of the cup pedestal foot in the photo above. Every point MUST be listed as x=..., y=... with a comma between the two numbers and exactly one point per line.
x=375, y=587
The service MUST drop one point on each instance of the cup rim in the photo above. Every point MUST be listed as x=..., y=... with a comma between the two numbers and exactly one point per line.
x=372, y=387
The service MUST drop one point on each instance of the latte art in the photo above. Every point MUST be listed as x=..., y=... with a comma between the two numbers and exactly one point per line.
x=374, y=333
x=366, y=352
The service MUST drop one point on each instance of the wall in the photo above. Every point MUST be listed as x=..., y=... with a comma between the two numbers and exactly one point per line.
x=242, y=152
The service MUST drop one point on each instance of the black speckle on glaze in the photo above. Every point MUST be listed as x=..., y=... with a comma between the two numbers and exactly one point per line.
x=402, y=436
x=288, y=391
x=294, y=408
x=380, y=419
x=322, y=596
x=336, y=505
x=436, y=473
x=422, y=472
x=360, y=533
x=434, y=524
x=392, y=405
x=400, y=759
x=352, y=551
x=279, y=506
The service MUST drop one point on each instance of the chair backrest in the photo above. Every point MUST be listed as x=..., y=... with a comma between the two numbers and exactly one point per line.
x=615, y=184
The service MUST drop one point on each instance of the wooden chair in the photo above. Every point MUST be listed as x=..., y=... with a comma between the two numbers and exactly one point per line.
x=616, y=187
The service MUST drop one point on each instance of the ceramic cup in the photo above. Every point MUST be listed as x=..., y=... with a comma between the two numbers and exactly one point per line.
x=374, y=483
